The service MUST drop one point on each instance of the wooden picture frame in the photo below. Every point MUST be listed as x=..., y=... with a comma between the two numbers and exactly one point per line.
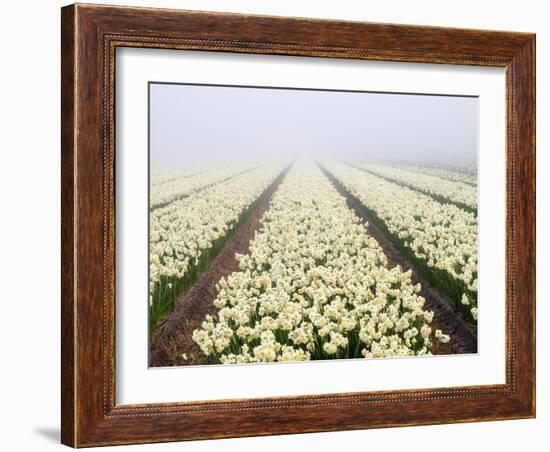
x=90, y=35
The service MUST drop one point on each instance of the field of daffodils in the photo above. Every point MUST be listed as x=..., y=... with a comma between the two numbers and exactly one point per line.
x=313, y=283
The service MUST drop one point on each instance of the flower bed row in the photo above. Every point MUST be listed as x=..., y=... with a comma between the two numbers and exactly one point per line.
x=172, y=190
x=462, y=195
x=465, y=177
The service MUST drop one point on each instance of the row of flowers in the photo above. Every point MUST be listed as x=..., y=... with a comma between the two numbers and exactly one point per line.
x=173, y=189
x=464, y=195
x=186, y=234
x=441, y=237
x=162, y=176
x=314, y=286
x=454, y=175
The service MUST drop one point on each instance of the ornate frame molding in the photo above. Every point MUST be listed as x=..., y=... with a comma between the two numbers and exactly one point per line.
x=90, y=37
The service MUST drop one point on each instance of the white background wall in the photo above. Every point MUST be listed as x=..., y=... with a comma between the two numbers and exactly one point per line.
x=29, y=251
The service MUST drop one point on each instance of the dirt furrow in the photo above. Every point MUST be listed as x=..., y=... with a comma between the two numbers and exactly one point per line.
x=446, y=317
x=173, y=338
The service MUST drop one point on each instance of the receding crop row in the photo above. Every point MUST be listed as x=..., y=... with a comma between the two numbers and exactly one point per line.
x=441, y=239
x=314, y=285
x=172, y=190
x=445, y=191
x=468, y=178
x=188, y=233
x=163, y=176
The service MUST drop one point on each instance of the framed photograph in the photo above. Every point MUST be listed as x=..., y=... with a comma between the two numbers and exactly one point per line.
x=281, y=225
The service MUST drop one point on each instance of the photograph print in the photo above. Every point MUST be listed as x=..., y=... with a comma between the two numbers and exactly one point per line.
x=292, y=224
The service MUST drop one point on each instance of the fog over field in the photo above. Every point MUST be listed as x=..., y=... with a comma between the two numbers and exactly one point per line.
x=195, y=125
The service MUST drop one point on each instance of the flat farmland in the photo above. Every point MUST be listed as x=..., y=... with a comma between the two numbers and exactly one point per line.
x=310, y=260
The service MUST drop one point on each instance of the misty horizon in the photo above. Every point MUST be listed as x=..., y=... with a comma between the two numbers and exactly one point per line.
x=192, y=125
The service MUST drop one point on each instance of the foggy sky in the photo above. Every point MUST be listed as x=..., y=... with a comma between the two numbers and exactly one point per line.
x=194, y=124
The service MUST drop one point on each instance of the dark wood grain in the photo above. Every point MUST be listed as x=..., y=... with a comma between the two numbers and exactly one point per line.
x=68, y=310
x=90, y=36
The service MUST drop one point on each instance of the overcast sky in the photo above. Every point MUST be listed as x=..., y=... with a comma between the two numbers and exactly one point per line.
x=195, y=124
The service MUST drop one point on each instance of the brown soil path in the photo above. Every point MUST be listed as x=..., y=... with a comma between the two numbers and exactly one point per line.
x=173, y=337
x=446, y=317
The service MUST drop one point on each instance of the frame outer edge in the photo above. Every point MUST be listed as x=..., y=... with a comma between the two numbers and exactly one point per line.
x=86, y=419
x=534, y=226
x=68, y=230
x=525, y=62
